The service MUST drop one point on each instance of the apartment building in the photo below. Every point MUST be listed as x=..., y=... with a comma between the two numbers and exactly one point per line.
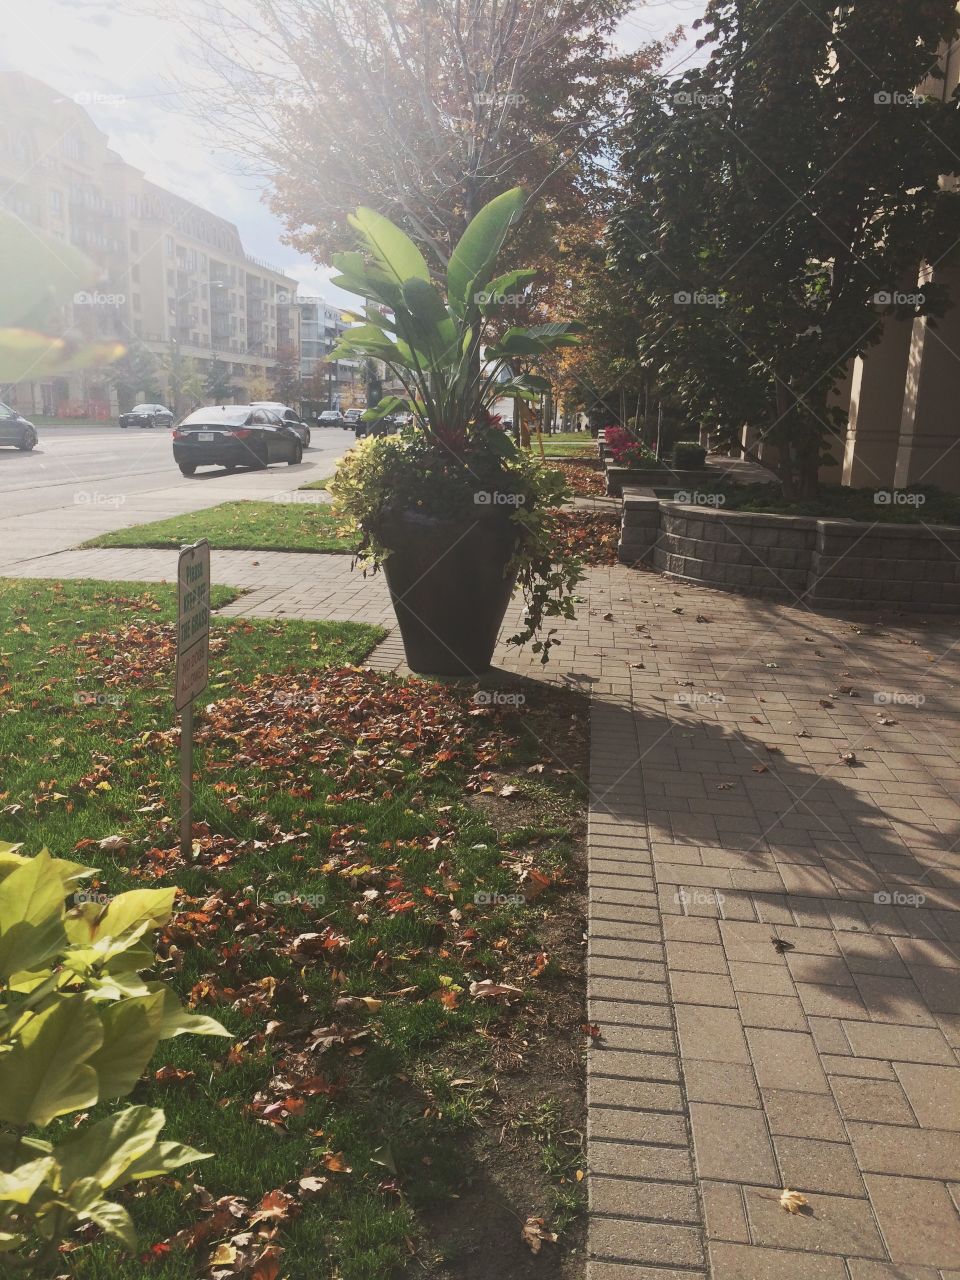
x=175, y=278
x=337, y=384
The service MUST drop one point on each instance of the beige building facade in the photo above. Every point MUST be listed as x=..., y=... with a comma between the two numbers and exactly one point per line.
x=174, y=278
x=903, y=426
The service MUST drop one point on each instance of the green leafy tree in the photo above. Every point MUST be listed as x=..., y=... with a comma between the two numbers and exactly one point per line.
x=217, y=382
x=136, y=376
x=185, y=381
x=78, y=1026
x=775, y=198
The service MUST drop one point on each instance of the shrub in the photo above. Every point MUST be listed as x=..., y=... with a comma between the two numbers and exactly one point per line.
x=78, y=1025
x=688, y=455
x=625, y=450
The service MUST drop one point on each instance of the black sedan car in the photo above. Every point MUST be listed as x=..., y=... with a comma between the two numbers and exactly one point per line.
x=147, y=415
x=290, y=417
x=16, y=430
x=234, y=435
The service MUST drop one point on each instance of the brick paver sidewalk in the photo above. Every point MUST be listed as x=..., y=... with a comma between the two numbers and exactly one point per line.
x=774, y=920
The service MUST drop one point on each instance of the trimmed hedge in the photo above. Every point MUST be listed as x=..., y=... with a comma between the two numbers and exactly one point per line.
x=688, y=455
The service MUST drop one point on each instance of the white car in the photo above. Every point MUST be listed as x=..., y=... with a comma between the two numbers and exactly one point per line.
x=289, y=416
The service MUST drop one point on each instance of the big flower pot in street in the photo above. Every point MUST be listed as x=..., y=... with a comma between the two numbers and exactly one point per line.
x=450, y=586
x=448, y=504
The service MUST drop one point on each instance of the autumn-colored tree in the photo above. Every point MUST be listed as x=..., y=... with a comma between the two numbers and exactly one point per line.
x=424, y=109
x=285, y=374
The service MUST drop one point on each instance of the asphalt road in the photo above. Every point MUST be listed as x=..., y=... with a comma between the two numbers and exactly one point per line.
x=81, y=481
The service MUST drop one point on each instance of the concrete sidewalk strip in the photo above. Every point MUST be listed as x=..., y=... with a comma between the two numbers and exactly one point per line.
x=773, y=927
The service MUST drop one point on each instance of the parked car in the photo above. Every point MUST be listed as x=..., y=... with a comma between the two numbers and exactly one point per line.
x=16, y=429
x=147, y=415
x=331, y=418
x=352, y=417
x=234, y=435
x=289, y=416
x=380, y=426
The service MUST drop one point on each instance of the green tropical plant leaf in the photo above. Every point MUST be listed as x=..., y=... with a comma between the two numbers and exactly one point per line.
x=131, y=1031
x=177, y=1021
x=88, y=1204
x=137, y=909
x=393, y=250
x=503, y=287
x=163, y=1157
x=31, y=915
x=477, y=250
x=104, y=1151
x=45, y=1072
x=20, y=1185
x=389, y=404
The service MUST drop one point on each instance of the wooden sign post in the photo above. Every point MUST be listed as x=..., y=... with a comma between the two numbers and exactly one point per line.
x=193, y=661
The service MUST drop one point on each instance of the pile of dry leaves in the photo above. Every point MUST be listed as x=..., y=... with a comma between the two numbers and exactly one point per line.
x=592, y=536
x=585, y=482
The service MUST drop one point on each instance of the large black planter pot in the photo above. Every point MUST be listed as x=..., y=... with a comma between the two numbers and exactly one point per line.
x=447, y=584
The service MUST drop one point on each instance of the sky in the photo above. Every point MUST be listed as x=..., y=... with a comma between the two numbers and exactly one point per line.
x=121, y=66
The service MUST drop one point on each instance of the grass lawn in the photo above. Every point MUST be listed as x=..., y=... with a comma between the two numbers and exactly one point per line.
x=239, y=526
x=318, y=484
x=366, y=851
x=568, y=443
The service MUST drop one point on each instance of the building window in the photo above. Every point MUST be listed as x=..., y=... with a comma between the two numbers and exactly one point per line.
x=135, y=274
x=56, y=202
x=136, y=302
x=168, y=242
x=135, y=241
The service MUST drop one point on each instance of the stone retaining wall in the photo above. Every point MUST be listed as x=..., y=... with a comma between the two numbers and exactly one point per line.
x=621, y=478
x=829, y=563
